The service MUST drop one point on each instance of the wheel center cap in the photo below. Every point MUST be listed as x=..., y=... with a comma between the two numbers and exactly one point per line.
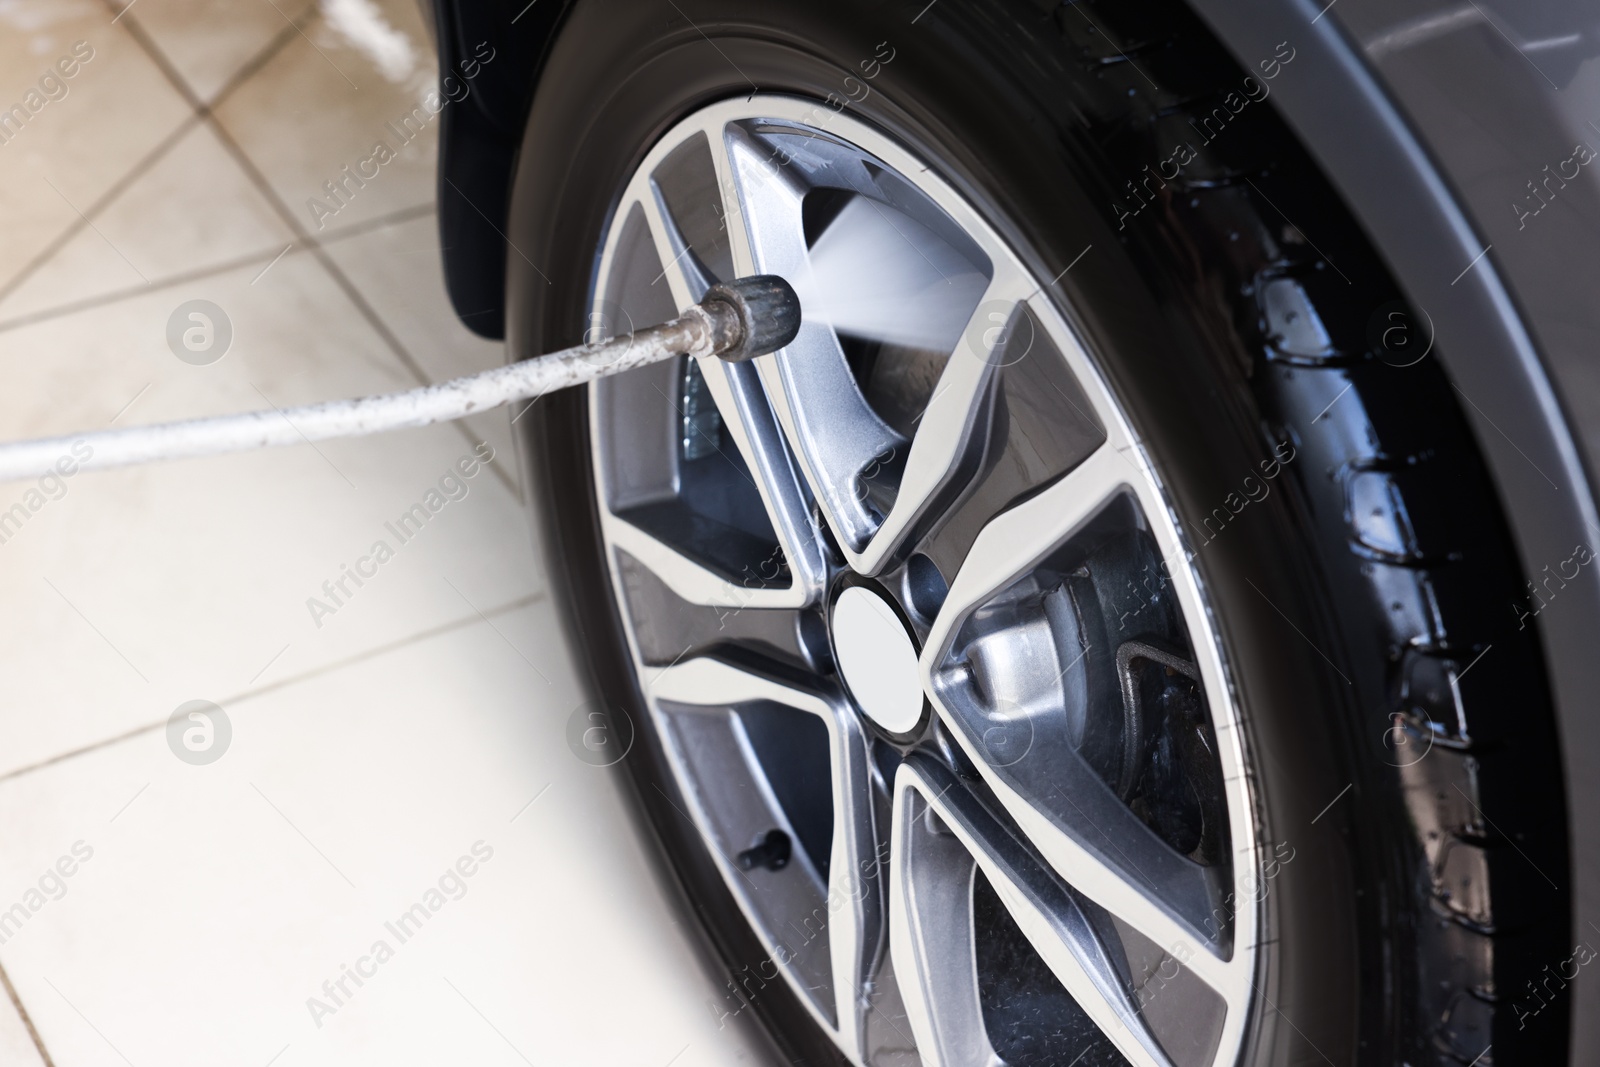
x=877, y=659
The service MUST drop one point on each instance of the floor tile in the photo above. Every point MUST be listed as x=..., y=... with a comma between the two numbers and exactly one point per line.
x=162, y=583
x=210, y=41
x=218, y=899
x=193, y=209
x=116, y=108
x=328, y=99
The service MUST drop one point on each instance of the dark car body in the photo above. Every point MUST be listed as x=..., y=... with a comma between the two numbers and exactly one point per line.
x=1460, y=134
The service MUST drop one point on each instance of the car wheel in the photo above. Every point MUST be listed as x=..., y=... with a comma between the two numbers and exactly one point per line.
x=1087, y=642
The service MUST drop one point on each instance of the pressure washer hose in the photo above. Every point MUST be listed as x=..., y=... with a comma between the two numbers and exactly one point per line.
x=736, y=321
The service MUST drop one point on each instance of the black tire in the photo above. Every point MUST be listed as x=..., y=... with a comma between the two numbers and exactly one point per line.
x=1428, y=895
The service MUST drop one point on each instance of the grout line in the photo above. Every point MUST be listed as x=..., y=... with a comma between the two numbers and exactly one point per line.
x=272, y=687
x=116, y=295
x=27, y=1020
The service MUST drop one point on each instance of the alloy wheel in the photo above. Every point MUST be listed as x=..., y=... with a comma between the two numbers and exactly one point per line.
x=912, y=618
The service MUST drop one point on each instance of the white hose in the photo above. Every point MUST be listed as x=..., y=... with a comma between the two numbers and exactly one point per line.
x=696, y=333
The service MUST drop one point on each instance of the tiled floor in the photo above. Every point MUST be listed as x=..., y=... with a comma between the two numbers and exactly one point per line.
x=207, y=904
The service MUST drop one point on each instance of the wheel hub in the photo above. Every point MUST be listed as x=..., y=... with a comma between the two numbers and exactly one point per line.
x=877, y=660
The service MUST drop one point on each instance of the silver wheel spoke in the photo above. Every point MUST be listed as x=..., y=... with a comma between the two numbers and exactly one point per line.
x=855, y=890
x=839, y=437
x=839, y=918
x=736, y=390
x=1022, y=536
x=692, y=581
x=682, y=271
x=932, y=938
x=955, y=418
x=935, y=874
